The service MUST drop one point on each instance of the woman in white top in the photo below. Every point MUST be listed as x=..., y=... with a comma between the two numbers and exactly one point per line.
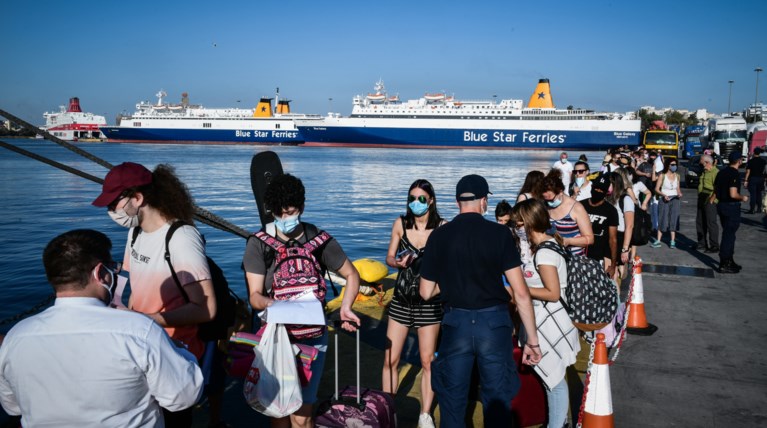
x=669, y=193
x=623, y=200
x=558, y=337
x=581, y=185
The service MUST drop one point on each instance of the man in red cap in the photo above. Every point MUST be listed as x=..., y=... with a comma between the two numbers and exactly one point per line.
x=148, y=203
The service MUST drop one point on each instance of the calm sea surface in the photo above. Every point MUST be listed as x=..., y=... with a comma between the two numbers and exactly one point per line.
x=354, y=194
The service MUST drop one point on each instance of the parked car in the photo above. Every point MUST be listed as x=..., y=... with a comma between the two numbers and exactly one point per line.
x=692, y=172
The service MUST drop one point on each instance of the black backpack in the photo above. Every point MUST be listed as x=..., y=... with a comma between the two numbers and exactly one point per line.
x=640, y=235
x=226, y=300
x=590, y=294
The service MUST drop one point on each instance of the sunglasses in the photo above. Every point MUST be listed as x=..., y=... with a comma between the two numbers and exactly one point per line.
x=580, y=171
x=422, y=199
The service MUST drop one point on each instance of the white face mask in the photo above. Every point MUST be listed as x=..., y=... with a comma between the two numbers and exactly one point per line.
x=124, y=219
x=579, y=181
x=109, y=287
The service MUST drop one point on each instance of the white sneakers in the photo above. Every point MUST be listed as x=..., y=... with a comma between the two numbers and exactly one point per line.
x=425, y=421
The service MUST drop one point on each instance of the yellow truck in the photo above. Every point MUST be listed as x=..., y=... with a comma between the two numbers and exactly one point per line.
x=663, y=141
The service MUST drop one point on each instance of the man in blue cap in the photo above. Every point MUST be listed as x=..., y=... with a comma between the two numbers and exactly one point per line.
x=727, y=191
x=464, y=260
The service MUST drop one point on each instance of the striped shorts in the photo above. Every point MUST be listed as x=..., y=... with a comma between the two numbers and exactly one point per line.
x=417, y=315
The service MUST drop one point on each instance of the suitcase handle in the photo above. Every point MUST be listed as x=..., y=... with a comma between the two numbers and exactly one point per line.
x=337, y=398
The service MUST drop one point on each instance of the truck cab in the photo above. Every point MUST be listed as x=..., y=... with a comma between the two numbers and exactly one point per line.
x=727, y=135
x=662, y=141
x=691, y=143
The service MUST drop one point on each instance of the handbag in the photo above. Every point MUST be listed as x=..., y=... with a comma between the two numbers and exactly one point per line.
x=272, y=386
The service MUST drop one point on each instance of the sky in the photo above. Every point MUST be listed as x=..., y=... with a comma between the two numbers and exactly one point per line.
x=603, y=55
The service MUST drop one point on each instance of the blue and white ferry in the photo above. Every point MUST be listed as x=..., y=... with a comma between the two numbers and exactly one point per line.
x=441, y=121
x=163, y=122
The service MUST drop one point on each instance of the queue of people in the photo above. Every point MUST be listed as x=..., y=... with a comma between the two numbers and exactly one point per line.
x=467, y=286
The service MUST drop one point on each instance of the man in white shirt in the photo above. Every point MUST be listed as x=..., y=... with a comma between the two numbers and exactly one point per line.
x=82, y=363
x=566, y=167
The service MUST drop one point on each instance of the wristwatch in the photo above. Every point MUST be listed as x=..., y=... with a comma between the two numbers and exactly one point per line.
x=625, y=250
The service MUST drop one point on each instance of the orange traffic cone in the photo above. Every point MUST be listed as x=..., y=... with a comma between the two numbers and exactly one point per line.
x=598, y=411
x=637, y=320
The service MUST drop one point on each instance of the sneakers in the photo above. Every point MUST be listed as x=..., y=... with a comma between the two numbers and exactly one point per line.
x=655, y=244
x=712, y=250
x=672, y=245
x=728, y=266
x=701, y=246
x=425, y=421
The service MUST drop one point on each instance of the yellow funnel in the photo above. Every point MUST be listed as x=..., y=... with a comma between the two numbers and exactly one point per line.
x=541, y=98
x=264, y=108
x=283, y=107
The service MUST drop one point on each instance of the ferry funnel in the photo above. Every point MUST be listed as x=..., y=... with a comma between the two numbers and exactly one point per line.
x=541, y=98
x=283, y=106
x=74, y=105
x=264, y=108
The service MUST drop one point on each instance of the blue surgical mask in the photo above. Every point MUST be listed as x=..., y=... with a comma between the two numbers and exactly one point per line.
x=579, y=181
x=418, y=208
x=521, y=234
x=673, y=168
x=554, y=203
x=287, y=224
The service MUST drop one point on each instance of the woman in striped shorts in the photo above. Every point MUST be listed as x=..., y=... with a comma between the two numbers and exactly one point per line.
x=407, y=308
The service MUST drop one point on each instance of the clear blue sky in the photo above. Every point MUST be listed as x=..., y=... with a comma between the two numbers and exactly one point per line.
x=606, y=55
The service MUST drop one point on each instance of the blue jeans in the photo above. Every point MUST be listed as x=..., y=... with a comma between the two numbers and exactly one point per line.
x=729, y=216
x=483, y=335
x=654, y=212
x=559, y=401
x=309, y=392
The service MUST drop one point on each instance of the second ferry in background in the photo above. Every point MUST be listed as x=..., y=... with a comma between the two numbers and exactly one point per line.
x=188, y=123
x=441, y=121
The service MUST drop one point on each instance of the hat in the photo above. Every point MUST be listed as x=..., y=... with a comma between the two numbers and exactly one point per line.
x=121, y=178
x=602, y=182
x=734, y=157
x=474, y=184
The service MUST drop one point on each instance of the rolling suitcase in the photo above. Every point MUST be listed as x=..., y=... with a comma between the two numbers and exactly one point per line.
x=355, y=406
x=529, y=405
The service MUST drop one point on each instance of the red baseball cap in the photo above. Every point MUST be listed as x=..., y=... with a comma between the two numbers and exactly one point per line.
x=121, y=178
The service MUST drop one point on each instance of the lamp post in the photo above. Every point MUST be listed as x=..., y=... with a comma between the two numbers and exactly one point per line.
x=330, y=106
x=729, y=99
x=756, y=95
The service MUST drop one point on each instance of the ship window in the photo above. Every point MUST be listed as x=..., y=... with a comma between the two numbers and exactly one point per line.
x=137, y=124
x=277, y=126
x=207, y=125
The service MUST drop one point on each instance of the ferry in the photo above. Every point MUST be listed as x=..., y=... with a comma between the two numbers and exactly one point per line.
x=438, y=120
x=183, y=122
x=71, y=124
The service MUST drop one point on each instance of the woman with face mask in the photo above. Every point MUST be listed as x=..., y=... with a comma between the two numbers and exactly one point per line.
x=568, y=217
x=581, y=190
x=669, y=194
x=152, y=201
x=407, y=309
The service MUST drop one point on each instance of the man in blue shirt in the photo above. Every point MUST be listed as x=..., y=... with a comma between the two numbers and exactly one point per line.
x=464, y=260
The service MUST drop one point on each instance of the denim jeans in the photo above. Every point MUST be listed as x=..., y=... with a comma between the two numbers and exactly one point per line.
x=559, y=401
x=483, y=335
x=654, y=212
x=729, y=216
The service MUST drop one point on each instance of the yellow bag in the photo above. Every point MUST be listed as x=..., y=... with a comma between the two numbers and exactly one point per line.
x=371, y=271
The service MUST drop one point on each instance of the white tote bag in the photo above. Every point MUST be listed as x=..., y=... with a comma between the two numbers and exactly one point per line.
x=272, y=386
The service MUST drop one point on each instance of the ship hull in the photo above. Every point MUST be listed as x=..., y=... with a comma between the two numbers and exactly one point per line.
x=474, y=134
x=211, y=131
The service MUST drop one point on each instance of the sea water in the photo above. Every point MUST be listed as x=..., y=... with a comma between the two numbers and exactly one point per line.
x=354, y=194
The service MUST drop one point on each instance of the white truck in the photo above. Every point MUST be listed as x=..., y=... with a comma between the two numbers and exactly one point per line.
x=727, y=135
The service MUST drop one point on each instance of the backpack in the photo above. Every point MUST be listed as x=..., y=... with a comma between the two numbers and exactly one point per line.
x=296, y=271
x=640, y=235
x=226, y=300
x=590, y=295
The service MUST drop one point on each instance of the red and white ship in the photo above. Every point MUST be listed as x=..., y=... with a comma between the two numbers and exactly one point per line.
x=71, y=124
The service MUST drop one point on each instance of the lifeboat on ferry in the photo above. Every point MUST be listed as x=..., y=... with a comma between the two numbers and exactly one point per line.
x=393, y=99
x=434, y=97
x=376, y=98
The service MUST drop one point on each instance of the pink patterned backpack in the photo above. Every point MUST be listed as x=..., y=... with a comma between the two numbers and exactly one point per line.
x=297, y=270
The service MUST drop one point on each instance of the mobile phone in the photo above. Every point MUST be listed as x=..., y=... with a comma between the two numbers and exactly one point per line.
x=403, y=253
